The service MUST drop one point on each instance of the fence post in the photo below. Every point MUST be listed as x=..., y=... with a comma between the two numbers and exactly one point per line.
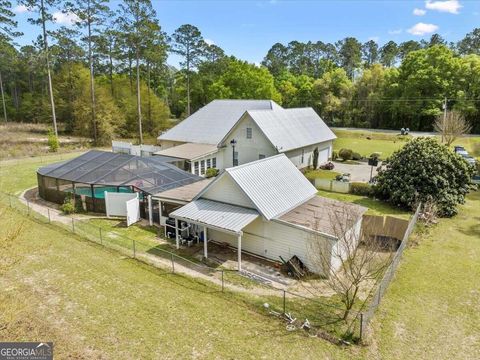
x=284, y=302
x=100, y=231
x=173, y=265
x=133, y=242
x=49, y=219
x=222, y=281
x=73, y=224
x=361, y=325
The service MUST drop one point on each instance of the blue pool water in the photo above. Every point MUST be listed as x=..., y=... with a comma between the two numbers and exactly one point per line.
x=99, y=190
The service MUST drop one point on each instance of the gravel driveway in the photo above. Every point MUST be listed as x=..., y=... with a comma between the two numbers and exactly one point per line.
x=360, y=172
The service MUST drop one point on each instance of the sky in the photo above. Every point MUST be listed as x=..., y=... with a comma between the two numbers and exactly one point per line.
x=247, y=29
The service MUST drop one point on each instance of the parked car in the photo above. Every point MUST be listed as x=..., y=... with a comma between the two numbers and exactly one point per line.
x=458, y=148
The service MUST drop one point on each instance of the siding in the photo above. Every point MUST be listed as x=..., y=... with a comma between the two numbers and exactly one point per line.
x=248, y=149
x=295, y=156
x=225, y=190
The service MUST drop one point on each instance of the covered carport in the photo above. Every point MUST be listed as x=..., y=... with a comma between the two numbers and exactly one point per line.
x=222, y=217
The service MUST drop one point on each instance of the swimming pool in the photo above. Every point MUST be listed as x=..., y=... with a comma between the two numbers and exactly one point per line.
x=99, y=190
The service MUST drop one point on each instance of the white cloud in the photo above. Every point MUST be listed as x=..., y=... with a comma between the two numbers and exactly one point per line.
x=20, y=9
x=395, y=31
x=449, y=6
x=65, y=18
x=422, y=29
x=210, y=42
x=374, y=38
x=419, y=12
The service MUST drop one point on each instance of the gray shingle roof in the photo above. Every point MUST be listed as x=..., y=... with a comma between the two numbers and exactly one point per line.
x=289, y=129
x=210, y=123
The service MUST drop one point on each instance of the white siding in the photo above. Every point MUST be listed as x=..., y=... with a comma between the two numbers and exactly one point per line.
x=295, y=156
x=248, y=149
x=225, y=190
x=219, y=158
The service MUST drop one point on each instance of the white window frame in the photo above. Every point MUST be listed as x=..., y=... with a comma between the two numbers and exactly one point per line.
x=235, y=158
x=303, y=155
x=214, y=162
x=202, y=167
x=249, y=132
x=196, y=168
x=209, y=163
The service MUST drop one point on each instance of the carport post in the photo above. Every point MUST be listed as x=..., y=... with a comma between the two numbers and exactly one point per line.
x=239, y=239
x=205, y=241
x=177, y=238
x=160, y=214
x=150, y=209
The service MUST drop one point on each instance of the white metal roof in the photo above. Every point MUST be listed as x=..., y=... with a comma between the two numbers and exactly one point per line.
x=217, y=215
x=189, y=151
x=212, y=122
x=289, y=129
x=273, y=184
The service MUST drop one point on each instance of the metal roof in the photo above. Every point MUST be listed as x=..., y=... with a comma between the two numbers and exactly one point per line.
x=151, y=174
x=189, y=151
x=217, y=215
x=289, y=129
x=212, y=122
x=318, y=213
x=273, y=184
x=184, y=193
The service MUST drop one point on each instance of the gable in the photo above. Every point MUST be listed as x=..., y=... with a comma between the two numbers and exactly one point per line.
x=225, y=190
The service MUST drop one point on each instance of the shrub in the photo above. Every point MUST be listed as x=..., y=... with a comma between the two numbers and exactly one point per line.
x=424, y=170
x=211, y=172
x=360, y=188
x=315, y=158
x=327, y=166
x=334, y=155
x=375, y=155
x=345, y=154
x=356, y=156
x=68, y=206
x=52, y=141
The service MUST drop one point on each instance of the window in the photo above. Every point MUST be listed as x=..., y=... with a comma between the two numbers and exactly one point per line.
x=303, y=155
x=197, y=172
x=209, y=163
x=261, y=156
x=249, y=133
x=214, y=162
x=235, y=158
x=202, y=167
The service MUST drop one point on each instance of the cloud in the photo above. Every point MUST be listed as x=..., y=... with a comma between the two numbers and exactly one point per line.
x=209, y=41
x=449, y=6
x=395, y=31
x=422, y=29
x=419, y=12
x=65, y=18
x=374, y=38
x=20, y=9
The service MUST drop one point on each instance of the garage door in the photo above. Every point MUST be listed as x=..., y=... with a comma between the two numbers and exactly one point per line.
x=323, y=156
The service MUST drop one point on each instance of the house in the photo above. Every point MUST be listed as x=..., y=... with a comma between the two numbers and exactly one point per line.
x=266, y=208
x=227, y=133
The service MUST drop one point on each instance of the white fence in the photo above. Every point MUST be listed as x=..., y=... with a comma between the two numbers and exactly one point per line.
x=332, y=185
x=138, y=150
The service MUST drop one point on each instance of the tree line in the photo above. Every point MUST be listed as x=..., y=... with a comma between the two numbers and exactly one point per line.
x=107, y=75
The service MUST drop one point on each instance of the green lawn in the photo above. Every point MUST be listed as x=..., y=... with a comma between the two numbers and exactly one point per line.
x=96, y=303
x=321, y=174
x=375, y=207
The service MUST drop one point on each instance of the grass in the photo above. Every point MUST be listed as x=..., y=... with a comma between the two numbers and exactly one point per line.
x=375, y=207
x=321, y=174
x=366, y=143
x=95, y=303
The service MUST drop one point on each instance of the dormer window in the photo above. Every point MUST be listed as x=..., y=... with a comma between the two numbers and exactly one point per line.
x=249, y=133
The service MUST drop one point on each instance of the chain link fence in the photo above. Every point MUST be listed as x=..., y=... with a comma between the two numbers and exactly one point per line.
x=324, y=316
x=377, y=293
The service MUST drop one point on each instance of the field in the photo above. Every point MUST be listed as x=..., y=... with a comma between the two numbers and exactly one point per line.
x=367, y=142
x=95, y=303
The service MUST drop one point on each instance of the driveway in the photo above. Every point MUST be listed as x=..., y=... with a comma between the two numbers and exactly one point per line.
x=360, y=172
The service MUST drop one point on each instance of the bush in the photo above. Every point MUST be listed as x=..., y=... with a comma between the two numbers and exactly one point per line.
x=327, y=166
x=52, y=141
x=211, y=172
x=334, y=155
x=356, y=156
x=360, y=188
x=68, y=206
x=345, y=154
x=424, y=170
x=375, y=155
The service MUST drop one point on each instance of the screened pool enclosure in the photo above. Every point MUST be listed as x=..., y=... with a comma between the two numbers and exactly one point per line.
x=88, y=176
